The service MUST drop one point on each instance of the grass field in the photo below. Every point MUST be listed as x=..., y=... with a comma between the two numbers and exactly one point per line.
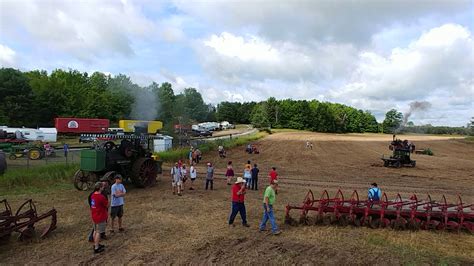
x=162, y=228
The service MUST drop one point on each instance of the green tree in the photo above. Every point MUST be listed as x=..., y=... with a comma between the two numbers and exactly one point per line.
x=166, y=102
x=16, y=97
x=393, y=120
x=271, y=107
x=259, y=116
x=193, y=104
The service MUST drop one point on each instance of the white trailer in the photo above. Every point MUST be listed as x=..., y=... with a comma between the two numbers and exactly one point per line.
x=50, y=134
x=27, y=133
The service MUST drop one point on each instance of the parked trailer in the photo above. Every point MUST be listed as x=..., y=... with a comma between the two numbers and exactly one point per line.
x=73, y=125
x=141, y=126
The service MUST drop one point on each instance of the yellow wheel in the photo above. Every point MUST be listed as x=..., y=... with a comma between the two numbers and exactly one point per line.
x=34, y=154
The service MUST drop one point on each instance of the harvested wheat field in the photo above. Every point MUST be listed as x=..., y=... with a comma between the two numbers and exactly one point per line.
x=165, y=229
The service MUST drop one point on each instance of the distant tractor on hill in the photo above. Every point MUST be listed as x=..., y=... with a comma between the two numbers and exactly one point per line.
x=401, y=154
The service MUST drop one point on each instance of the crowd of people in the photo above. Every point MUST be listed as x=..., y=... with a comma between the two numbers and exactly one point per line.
x=99, y=198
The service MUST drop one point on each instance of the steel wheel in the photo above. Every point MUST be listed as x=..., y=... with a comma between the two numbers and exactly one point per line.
x=84, y=180
x=109, y=177
x=399, y=224
x=344, y=220
x=144, y=172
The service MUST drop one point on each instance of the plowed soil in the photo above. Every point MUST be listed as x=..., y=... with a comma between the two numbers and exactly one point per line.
x=162, y=228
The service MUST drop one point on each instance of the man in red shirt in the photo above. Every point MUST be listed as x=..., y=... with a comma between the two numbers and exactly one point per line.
x=99, y=214
x=273, y=175
x=238, y=198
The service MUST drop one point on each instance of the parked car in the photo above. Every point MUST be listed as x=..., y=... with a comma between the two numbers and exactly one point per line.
x=201, y=133
x=87, y=139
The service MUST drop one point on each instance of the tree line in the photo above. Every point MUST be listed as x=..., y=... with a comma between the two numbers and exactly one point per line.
x=35, y=98
x=393, y=123
x=299, y=114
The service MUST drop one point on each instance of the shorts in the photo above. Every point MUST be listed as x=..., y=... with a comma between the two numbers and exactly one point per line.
x=100, y=227
x=192, y=179
x=116, y=211
x=176, y=183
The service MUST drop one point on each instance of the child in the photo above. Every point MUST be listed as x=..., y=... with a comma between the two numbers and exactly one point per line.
x=229, y=173
x=248, y=174
x=184, y=174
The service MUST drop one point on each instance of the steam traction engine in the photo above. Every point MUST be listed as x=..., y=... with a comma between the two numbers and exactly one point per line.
x=130, y=159
x=401, y=154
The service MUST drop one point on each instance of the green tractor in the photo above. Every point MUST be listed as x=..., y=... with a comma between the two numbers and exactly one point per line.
x=20, y=150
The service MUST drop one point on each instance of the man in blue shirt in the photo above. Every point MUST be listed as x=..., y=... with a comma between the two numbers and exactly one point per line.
x=375, y=194
x=117, y=200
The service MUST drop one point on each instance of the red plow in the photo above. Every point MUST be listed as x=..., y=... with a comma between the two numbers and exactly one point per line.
x=399, y=214
x=25, y=221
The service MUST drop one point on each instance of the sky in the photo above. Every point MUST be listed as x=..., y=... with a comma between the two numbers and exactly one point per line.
x=370, y=54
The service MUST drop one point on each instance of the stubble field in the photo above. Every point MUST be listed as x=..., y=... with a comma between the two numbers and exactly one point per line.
x=192, y=229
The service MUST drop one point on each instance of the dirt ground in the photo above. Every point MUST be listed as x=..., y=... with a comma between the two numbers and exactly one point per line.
x=165, y=229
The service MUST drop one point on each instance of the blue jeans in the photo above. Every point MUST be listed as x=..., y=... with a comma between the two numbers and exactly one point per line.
x=236, y=208
x=268, y=215
x=248, y=181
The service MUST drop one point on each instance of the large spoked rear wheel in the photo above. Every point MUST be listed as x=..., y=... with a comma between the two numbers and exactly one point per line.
x=144, y=172
x=84, y=180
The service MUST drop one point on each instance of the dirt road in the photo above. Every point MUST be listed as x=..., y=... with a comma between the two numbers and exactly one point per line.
x=192, y=229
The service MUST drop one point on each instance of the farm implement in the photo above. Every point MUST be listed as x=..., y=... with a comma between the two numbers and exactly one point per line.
x=398, y=214
x=24, y=221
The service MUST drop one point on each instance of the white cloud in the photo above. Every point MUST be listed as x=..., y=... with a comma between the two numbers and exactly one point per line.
x=238, y=59
x=7, y=56
x=84, y=29
x=437, y=66
x=329, y=21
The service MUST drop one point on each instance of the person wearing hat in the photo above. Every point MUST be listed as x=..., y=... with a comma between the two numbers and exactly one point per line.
x=375, y=194
x=210, y=176
x=99, y=213
x=268, y=201
x=238, y=205
x=117, y=200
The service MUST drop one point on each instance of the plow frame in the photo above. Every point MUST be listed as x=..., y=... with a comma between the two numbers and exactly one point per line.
x=398, y=214
x=24, y=220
